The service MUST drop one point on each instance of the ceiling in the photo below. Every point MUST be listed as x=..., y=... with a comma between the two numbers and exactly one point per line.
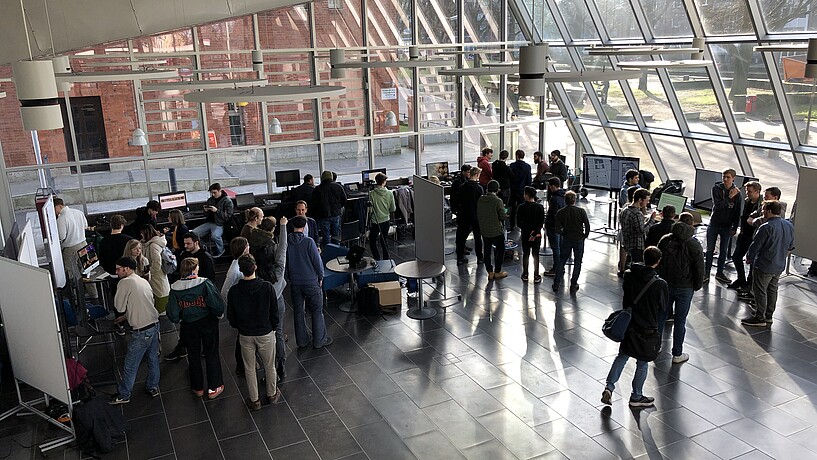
x=82, y=23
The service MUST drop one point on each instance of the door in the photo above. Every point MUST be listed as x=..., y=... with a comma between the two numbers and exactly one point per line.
x=89, y=127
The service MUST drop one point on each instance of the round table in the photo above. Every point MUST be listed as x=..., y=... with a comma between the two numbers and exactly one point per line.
x=420, y=270
x=334, y=265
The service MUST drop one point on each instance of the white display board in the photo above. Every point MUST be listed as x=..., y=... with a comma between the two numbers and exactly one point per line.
x=52, y=242
x=805, y=245
x=28, y=249
x=32, y=328
x=429, y=221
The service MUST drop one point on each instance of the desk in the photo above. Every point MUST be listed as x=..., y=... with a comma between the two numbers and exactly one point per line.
x=337, y=267
x=420, y=270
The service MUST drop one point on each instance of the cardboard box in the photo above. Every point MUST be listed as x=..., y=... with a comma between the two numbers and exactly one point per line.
x=389, y=292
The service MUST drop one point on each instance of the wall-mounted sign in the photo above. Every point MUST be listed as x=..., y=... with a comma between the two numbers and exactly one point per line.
x=388, y=94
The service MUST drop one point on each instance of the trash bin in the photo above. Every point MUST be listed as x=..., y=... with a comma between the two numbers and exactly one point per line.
x=751, y=104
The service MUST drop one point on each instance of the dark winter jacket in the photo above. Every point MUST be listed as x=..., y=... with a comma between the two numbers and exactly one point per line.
x=648, y=309
x=682, y=260
x=657, y=231
x=520, y=177
x=207, y=267
x=555, y=203
x=467, y=197
x=252, y=307
x=530, y=216
x=559, y=169
x=328, y=200
x=725, y=210
x=502, y=174
x=747, y=230
x=224, y=209
x=455, y=188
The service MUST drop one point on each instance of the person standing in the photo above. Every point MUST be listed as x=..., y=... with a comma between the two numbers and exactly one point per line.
x=311, y=229
x=486, y=174
x=252, y=308
x=305, y=273
x=252, y=218
x=646, y=293
x=540, y=180
x=634, y=225
x=490, y=215
x=767, y=254
x=467, y=197
x=112, y=247
x=197, y=303
x=683, y=270
x=631, y=179
x=328, y=201
x=458, y=181
x=663, y=227
x=556, y=201
x=175, y=233
x=573, y=226
x=219, y=210
x=751, y=205
x=238, y=247
x=71, y=225
x=557, y=167
x=502, y=174
x=723, y=223
x=133, y=249
x=520, y=178
x=531, y=217
x=304, y=191
x=134, y=303
x=146, y=215
x=154, y=243
x=382, y=204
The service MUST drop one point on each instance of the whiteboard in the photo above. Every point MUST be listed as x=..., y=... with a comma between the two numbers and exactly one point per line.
x=429, y=221
x=805, y=245
x=52, y=242
x=32, y=329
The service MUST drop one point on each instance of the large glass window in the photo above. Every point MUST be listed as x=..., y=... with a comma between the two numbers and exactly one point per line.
x=782, y=16
x=437, y=21
x=667, y=18
x=482, y=18
x=800, y=94
x=347, y=159
x=389, y=23
x=279, y=29
x=391, y=92
x=651, y=100
x=697, y=99
x=724, y=17
x=577, y=19
x=717, y=156
x=188, y=173
x=619, y=18
x=304, y=158
x=543, y=20
x=676, y=160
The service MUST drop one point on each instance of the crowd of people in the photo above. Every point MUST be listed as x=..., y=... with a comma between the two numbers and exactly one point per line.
x=661, y=262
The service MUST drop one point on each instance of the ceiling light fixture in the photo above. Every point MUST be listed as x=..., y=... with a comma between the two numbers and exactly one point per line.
x=117, y=75
x=391, y=119
x=338, y=62
x=138, y=138
x=490, y=110
x=264, y=94
x=275, y=126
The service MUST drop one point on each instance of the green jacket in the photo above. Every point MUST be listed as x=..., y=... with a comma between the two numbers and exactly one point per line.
x=192, y=299
x=382, y=200
x=490, y=215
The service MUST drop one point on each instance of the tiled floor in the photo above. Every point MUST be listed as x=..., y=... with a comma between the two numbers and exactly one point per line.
x=514, y=371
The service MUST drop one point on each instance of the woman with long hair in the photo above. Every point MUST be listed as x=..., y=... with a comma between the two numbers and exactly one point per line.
x=133, y=248
x=197, y=303
x=175, y=233
x=154, y=243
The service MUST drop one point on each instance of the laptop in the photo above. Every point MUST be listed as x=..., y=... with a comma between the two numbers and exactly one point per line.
x=89, y=262
x=244, y=200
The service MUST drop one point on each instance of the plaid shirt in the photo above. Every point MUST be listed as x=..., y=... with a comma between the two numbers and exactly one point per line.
x=633, y=228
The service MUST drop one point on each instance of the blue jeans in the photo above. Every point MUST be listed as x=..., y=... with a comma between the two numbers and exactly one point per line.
x=555, y=243
x=329, y=227
x=141, y=343
x=310, y=297
x=712, y=233
x=215, y=231
x=577, y=247
x=280, y=346
x=638, y=379
x=681, y=298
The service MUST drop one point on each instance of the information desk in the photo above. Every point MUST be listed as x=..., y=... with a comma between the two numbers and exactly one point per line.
x=420, y=270
x=334, y=265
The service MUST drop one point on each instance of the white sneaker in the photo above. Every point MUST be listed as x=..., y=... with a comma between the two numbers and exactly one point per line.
x=683, y=357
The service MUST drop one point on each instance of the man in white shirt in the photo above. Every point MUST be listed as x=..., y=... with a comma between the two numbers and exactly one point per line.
x=71, y=225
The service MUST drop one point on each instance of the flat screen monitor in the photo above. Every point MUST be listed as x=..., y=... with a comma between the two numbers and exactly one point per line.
x=288, y=178
x=173, y=200
x=607, y=172
x=439, y=169
x=88, y=258
x=245, y=200
x=677, y=201
x=368, y=175
x=704, y=181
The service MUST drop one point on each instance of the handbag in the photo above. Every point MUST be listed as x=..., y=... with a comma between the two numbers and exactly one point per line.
x=615, y=326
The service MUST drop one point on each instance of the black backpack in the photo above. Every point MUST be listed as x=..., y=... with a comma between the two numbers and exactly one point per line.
x=98, y=425
x=368, y=302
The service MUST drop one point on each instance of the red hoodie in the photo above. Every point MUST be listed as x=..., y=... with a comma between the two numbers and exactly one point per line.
x=487, y=173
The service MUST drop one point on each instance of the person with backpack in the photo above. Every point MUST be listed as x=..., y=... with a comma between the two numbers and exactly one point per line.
x=683, y=270
x=155, y=245
x=646, y=294
x=271, y=260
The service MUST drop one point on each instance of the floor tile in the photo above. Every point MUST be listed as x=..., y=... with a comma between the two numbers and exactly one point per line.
x=329, y=436
x=352, y=406
x=433, y=445
x=457, y=424
x=196, y=441
x=520, y=439
x=403, y=415
x=379, y=440
x=249, y=445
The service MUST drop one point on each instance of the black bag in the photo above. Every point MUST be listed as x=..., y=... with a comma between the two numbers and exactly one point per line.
x=643, y=344
x=616, y=325
x=98, y=425
x=368, y=301
x=673, y=186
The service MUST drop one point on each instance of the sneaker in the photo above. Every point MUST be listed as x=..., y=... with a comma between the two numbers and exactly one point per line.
x=525, y=277
x=152, y=392
x=213, y=394
x=120, y=330
x=769, y=321
x=550, y=273
x=253, y=405
x=607, y=397
x=198, y=393
x=177, y=354
x=574, y=287
x=737, y=284
x=117, y=399
x=490, y=276
x=752, y=321
x=722, y=278
x=500, y=275
x=537, y=279
x=324, y=344
x=276, y=398
x=643, y=401
x=683, y=357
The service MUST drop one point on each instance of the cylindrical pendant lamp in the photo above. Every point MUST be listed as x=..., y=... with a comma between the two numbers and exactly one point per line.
x=37, y=92
x=532, y=68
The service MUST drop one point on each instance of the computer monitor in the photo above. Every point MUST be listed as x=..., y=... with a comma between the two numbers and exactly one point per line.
x=288, y=178
x=368, y=175
x=439, y=169
x=245, y=200
x=173, y=200
x=679, y=202
x=88, y=258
